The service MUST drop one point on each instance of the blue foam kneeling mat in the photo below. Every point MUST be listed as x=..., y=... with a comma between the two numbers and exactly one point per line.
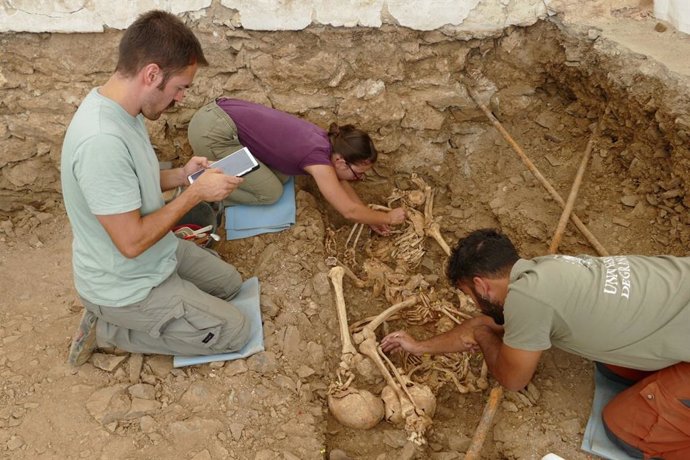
x=595, y=440
x=247, y=301
x=243, y=221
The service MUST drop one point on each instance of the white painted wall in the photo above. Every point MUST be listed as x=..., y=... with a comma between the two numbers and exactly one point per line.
x=476, y=17
x=677, y=12
x=95, y=15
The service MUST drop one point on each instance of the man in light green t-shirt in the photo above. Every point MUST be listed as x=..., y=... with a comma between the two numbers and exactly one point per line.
x=630, y=314
x=143, y=289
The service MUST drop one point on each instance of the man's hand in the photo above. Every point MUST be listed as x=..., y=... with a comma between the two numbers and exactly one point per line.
x=459, y=339
x=194, y=165
x=465, y=334
x=401, y=341
x=213, y=185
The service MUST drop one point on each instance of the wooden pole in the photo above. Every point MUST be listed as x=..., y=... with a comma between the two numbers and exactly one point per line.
x=576, y=220
x=475, y=448
x=560, y=229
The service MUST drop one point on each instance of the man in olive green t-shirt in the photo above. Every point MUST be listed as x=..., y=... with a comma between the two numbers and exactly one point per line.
x=630, y=314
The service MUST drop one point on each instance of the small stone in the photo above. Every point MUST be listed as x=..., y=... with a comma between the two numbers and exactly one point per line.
x=436, y=447
x=621, y=222
x=409, y=452
x=136, y=361
x=141, y=407
x=444, y=456
x=287, y=455
x=285, y=382
x=34, y=242
x=147, y=424
x=268, y=307
x=394, y=438
x=291, y=342
x=459, y=442
x=553, y=138
x=262, y=363
x=197, y=395
x=571, y=426
x=660, y=27
x=305, y=371
x=105, y=362
x=321, y=284
x=533, y=392
x=593, y=34
x=338, y=454
x=109, y=404
x=44, y=217
x=7, y=227
x=142, y=391
x=236, y=367
x=265, y=454
x=216, y=364
x=14, y=443
x=236, y=430
x=160, y=365
x=203, y=455
x=630, y=200
x=553, y=161
x=509, y=406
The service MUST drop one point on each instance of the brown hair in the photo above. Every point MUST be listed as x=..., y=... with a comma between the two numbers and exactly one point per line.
x=354, y=145
x=160, y=38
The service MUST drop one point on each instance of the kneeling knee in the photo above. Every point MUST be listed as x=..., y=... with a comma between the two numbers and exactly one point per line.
x=270, y=197
x=237, y=335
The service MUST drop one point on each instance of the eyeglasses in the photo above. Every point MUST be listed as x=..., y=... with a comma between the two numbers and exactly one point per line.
x=358, y=176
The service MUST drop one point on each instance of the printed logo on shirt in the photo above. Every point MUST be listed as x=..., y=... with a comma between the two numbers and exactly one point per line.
x=584, y=261
x=617, y=276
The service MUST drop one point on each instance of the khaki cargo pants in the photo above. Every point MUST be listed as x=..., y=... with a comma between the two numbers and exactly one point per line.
x=187, y=314
x=652, y=417
x=213, y=134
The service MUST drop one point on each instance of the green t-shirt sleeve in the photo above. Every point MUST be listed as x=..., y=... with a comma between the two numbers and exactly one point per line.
x=106, y=175
x=528, y=322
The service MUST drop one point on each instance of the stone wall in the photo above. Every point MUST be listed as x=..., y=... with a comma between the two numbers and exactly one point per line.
x=400, y=85
x=394, y=82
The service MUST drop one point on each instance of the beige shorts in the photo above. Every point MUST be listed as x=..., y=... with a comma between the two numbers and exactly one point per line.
x=190, y=313
x=213, y=134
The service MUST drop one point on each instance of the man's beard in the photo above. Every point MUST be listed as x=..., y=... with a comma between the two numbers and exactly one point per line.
x=489, y=308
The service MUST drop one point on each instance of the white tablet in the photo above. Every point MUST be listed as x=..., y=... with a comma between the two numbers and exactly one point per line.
x=238, y=164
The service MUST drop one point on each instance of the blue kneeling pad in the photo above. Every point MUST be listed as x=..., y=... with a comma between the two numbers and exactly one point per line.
x=247, y=301
x=595, y=440
x=243, y=221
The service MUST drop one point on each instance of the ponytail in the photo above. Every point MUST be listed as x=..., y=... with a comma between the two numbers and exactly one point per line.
x=354, y=145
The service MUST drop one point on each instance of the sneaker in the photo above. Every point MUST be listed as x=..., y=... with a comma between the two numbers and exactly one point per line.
x=84, y=341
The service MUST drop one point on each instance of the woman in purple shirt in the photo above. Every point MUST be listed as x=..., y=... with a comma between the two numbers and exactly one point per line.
x=285, y=146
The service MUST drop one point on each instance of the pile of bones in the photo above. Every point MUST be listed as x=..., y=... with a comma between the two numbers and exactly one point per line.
x=408, y=393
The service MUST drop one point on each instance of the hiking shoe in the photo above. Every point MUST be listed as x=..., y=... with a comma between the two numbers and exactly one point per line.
x=84, y=341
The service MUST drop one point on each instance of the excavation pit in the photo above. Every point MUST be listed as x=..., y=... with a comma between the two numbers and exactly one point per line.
x=547, y=84
x=549, y=89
